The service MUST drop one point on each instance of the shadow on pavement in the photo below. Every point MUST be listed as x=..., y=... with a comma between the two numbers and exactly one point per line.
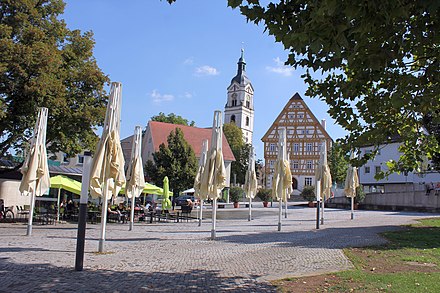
x=340, y=237
x=47, y=278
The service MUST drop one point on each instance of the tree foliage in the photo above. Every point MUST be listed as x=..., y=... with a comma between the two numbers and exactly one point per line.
x=338, y=163
x=375, y=63
x=378, y=65
x=44, y=64
x=240, y=149
x=175, y=160
x=173, y=119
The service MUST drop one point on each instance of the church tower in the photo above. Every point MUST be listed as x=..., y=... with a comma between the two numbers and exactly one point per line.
x=239, y=108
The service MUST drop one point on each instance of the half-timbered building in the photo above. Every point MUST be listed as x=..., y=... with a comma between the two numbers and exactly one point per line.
x=305, y=135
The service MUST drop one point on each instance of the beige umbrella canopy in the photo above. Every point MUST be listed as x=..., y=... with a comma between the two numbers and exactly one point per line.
x=198, y=179
x=135, y=172
x=323, y=178
x=36, y=180
x=323, y=173
x=213, y=179
x=250, y=183
x=351, y=184
x=282, y=177
x=107, y=173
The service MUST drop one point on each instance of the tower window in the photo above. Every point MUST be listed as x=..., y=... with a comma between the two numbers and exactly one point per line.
x=233, y=118
x=248, y=104
x=234, y=103
x=247, y=121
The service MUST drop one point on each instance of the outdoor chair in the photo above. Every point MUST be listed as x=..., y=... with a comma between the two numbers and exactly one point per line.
x=186, y=212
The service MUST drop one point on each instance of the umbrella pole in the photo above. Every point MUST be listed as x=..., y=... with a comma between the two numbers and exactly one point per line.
x=285, y=208
x=318, y=201
x=103, y=216
x=132, y=212
x=352, y=208
x=201, y=212
x=322, y=211
x=31, y=214
x=58, y=206
x=250, y=209
x=214, y=217
x=279, y=213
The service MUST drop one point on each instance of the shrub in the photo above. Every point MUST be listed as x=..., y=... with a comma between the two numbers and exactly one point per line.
x=264, y=194
x=235, y=194
x=360, y=194
x=308, y=193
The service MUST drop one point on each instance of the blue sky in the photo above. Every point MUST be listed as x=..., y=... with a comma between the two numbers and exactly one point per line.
x=180, y=59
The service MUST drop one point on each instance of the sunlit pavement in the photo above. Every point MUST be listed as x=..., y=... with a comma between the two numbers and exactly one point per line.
x=180, y=257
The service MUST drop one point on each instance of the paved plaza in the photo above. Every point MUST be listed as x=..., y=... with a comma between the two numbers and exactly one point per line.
x=180, y=257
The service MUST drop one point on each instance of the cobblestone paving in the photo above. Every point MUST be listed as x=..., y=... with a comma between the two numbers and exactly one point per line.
x=179, y=257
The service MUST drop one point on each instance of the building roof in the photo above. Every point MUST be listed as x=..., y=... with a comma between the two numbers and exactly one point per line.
x=193, y=135
x=241, y=77
x=295, y=97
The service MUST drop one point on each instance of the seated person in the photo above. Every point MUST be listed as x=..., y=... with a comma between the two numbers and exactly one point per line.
x=122, y=211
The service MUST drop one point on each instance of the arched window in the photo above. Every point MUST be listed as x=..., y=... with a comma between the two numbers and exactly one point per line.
x=233, y=119
x=247, y=121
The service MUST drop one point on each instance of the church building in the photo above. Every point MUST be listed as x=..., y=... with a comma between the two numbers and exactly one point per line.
x=239, y=108
x=304, y=136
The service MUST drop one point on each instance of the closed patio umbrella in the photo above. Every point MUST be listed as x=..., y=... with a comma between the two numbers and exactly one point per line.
x=135, y=173
x=351, y=184
x=36, y=180
x=323, y=178
x=214, y=174
x=198, y=178
x=66, y=183
x=282, y=177
x=250, y=183
x=166, y=202
x=107, y=172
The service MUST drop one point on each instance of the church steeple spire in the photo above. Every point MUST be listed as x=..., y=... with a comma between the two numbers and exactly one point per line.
x=239, y=108
x=241, y=76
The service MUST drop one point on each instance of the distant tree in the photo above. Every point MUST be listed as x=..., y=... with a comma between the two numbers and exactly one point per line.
x=172, y=118
x=44, y=64
x=175, y=160
x=338, y=163
x=240, y=149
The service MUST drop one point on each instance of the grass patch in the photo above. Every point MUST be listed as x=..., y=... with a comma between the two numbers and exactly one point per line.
x=410, y=262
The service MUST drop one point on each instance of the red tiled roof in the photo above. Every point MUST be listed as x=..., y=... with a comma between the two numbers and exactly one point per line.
x=193, y=135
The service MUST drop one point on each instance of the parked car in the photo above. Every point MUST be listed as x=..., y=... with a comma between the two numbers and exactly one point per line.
x=183, y=200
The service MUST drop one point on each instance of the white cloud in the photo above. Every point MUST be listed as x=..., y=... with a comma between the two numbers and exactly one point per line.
x=159, y=98
x=280, y=68
x=206, y=70
x=188, y=61
x=187, y=95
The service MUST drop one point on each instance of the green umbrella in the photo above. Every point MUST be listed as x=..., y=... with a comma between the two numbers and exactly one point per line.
x=66, y=183
x=148, y=188
x=166, y=202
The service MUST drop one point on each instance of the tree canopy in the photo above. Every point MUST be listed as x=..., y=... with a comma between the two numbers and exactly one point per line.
x=44, y=64
x=375, y=63
x=338, y=163
x=175, y=160
x=173, y=119
x=240, y=149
